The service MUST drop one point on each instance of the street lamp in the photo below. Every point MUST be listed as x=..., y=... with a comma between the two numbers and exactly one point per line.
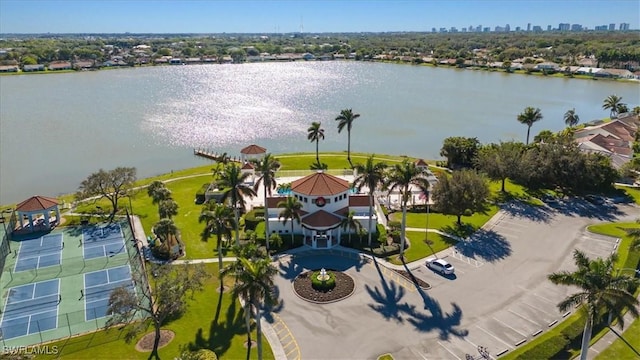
x=426, y=233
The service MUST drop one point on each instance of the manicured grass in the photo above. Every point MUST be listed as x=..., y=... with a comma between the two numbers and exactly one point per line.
x=419, y=248
x=626, y=258
x=621, y=349
x=194, y=329
x=334, y=160
x=385, y=357
x=632, y=192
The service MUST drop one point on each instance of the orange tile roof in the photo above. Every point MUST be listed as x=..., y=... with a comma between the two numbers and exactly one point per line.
x=253, y=150
x=321, y=219
x=320, y=184
x=420, y=162
x=247, y=166
x=36, y=203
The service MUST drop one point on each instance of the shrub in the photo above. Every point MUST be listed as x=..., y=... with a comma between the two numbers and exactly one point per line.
x=200, y=193
x=325, y=285
x=253, y=218
x=547, y=349
x=161, y=252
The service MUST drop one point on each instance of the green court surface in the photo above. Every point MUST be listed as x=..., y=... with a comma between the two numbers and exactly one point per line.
x=29, y=313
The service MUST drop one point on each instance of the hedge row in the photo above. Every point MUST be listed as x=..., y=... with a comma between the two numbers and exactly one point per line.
x=253, y=218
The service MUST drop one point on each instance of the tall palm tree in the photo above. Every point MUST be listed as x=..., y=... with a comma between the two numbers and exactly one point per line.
x=219, y=220
x=349, y=224
x=158, y=192
x=370, y=175
x=634, y=233
x=403, y=176
x=234, y=188
x=266, y=167
x=290, y=211
x=599, y=289
x=254, y=283
x=612, y=103
x=165, y=229
x=345, y=119
x=529, y=117
x=315, y=133
x=167, y=209
x=571, y=118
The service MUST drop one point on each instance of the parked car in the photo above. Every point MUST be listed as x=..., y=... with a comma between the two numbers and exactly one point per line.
x=441, y=266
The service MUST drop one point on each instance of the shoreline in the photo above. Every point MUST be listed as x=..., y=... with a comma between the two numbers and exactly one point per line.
x=560, y=75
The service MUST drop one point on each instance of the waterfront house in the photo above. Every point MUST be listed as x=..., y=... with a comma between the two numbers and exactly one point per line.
x=35, y=67
x=8, y=68
x=60, y=65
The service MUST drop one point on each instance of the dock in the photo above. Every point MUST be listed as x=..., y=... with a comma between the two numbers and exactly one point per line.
x=212, y=155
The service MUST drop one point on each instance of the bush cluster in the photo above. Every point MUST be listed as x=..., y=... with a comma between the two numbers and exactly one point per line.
x=323, y=285
x=253, y=218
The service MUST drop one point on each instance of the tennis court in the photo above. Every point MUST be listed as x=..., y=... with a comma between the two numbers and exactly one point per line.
x=98, y=286
x=40, y=252
x=102, y=241
x=31, y=308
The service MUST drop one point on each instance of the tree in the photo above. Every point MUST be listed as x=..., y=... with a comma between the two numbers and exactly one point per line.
x=254, y=283
x=403, y=177
x=158, y=192
x=166, y=230
x=529, y=117
x=500, y=161
x=634, y=233
x=571, y=118
x=612, y=103
x=219, y=220
x=315, y=133
x=112, y=185
x=370, y=175
x=345, y=119
x=459, y=151
x=167, y=209
x=600, y=290
x=544, y=136
x=170, y=286
x=290, y=211
x=266, y=167
x=462, y=193
x=348, y=223
x=234, y=188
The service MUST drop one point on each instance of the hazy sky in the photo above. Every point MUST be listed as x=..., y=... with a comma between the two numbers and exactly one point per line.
x=208, y=16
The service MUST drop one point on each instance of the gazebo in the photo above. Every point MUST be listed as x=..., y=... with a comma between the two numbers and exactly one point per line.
x=37, y=205
x=252, y=152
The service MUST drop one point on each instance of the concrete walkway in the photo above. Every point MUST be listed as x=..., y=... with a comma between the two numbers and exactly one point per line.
x=612, y=335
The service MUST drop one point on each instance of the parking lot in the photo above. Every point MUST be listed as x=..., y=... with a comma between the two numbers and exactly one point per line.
x=498, y=299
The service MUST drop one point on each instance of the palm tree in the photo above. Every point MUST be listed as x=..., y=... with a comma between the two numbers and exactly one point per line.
x=254, y=283
x=402, y=177
x=234, y=188
x=167, y=209
x=612, y=103
x=529, y=117
x=634, y=233
x=349, y=223
x=370, y=175
x=315, y=133
x=165, y=229
x=571, y=118
x=266, y=167
x=290, y=211
x=345, y=119
x=219, y=220
x=599, y=289
x=157, y=191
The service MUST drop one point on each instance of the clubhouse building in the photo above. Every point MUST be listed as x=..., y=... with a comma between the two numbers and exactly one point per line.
x=326, y=200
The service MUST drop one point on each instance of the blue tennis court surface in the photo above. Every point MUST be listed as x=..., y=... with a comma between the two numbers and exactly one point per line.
x=102, y=241
x=98, y=286
x=31, y=308
x=41, y=252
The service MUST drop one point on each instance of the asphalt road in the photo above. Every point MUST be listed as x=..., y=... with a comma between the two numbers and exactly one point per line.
x=499, y=297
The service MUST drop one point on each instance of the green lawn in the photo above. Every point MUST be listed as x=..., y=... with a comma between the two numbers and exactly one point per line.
x=629, y=348
x=419, y=248
x=195, y=329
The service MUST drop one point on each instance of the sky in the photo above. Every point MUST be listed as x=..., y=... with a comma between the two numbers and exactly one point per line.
x=243, y=16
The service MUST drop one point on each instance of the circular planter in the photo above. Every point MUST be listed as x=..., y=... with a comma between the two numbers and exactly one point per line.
x=303, y=287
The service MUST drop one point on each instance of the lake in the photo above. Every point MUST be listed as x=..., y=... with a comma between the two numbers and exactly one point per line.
x=56, y=129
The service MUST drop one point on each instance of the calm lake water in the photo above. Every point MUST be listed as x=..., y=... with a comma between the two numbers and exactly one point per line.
x=57, y=129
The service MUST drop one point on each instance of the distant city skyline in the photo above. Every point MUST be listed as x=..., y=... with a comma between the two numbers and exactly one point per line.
x=170, y=16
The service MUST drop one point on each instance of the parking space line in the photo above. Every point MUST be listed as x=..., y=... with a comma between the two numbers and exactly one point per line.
x=611, y=241
x=449, y=351
x=523, y=317
x=504, y=324
x=494, y=336
x=534, y=307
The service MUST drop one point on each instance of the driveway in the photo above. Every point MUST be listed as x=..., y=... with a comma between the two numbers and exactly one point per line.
x=498, y=299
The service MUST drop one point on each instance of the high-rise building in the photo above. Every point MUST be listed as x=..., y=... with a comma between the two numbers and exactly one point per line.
x=563, y=27
x=433, y=29
x=453, y=29
x=528, y=26
x=612, y=27
x=518, y=28
x=479, y=28
x=624, y=26
x=548, y=27
x=486, y=29
x=601, y=28
x=507, y=28
x=537, y=28
x=576, y=27
x=471, y=27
